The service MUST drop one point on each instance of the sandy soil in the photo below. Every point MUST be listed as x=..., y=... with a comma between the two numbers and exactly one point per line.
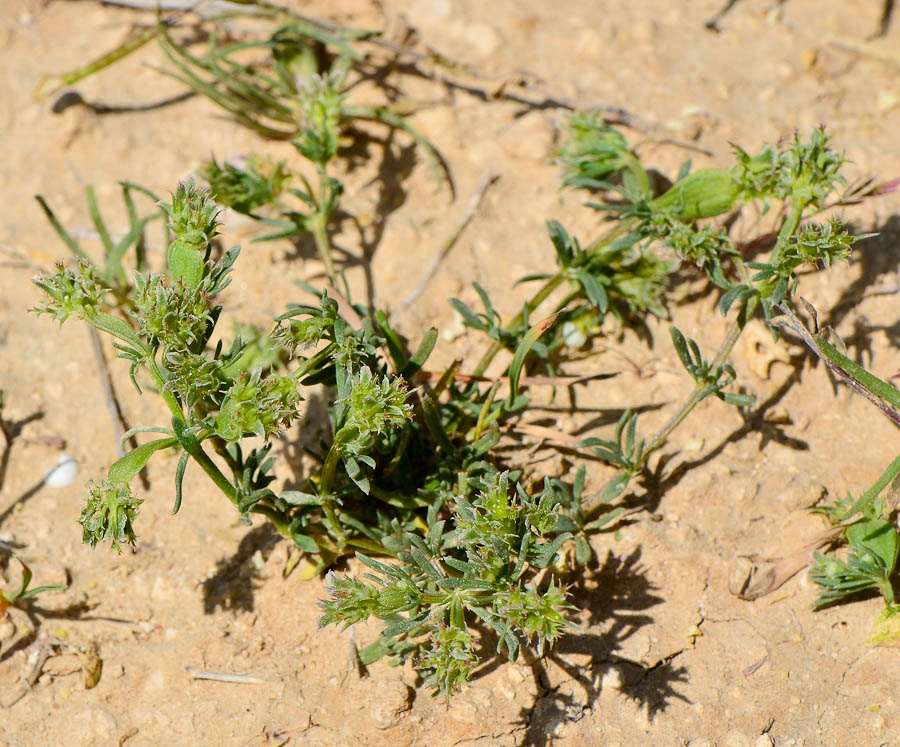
x=665, y=655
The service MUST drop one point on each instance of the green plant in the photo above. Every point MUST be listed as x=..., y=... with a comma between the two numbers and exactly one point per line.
x=17, y=596
x=803, y=175
x=368, y=495
x=112, y=271
x=297, y=91
x=412, y=472
x=870, y=532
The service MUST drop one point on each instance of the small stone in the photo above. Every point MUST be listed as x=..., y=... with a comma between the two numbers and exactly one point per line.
x=63, y=473
x=91, y=727
x=645, y=30
x=693, y=445
x=515, y=675
x=7, y=630
x=736, y=739
x=59, y=666
x=390, y=699
x=530, y=137
x=764, y=740
x=481, y=39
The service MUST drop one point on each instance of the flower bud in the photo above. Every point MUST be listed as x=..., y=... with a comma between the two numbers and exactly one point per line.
x=703, y=194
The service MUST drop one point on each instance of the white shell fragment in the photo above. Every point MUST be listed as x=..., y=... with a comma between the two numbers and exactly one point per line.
x=573, y=336
x=63, y=473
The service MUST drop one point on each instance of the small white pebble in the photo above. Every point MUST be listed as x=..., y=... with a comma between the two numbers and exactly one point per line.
x=573, y=336
x=63, y=473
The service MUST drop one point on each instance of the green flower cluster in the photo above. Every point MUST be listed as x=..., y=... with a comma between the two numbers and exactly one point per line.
x=109, y=513
x=257, y=405
x=76, y=293
x=375, y=406
x=170, y=315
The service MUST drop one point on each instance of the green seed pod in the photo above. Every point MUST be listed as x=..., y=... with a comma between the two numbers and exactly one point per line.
x=186, y=263
x=398, y=596
x=703, y=194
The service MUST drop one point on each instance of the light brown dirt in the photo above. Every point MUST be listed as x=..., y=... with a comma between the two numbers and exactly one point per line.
x=665, y=655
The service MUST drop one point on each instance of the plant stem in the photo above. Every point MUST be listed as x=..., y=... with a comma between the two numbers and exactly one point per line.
x=866, y=499
x=160, y=383
x=551, y=285
x=594, y=502
x=319, y=227
x=328, y=470
x=517, y=321
x=789, y=226
x=276, y=517
x=700, y=392
x=215, y=474
x=197, y=454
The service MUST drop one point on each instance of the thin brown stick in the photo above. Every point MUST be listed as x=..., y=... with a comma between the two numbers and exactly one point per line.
x=487, y=179
x=238, y=679
x=523, y=380
x=202, y=8
x=888, y=56
x=109, y=393
x=544, y=433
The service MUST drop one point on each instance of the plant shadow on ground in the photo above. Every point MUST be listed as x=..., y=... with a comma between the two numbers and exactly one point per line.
x=311, y=438
x=232, y=587
x=11, y=430
x=395, y=165
x=878, y=258
x=616, y=596
x=884, y=21
x=613, y=596
x=660, y=479
x=37, y=614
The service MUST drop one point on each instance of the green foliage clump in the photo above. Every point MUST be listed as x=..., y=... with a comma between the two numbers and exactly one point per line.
x=411, y=472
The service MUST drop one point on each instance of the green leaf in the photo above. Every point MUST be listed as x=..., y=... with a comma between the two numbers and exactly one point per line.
x=186, y=264
x=738, y=400
x=432, y=417
x=615, y=488
x=376, y=650
x=60, y=229
x=421, y=355
x=547, y=551
x=583, y=550
x=681, y=347
x=593, y=290
x=305, y=543
x=392, y=339
x=528, y=341
x=878, y=536
x=179, y=477
x=605, y=519
x=133, y=462
x=298, y=498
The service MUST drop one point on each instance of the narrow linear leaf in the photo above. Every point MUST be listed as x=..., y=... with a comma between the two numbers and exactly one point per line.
x=60, y=229
x=179, y=477
x=528, y=341
x=421, y=355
